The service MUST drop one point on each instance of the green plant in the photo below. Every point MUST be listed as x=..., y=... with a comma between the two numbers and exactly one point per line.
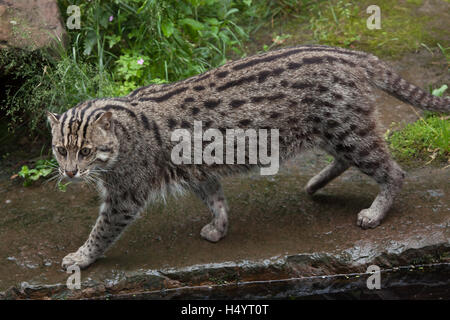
x=121, y=46
x=63, y=186
x=42, y=169
x=21, y=73
x=277, y=40
x=446, y=53
x=173, y=39
x=38, y=82
x=425, y=139
x=439, y=92
x=336, y=23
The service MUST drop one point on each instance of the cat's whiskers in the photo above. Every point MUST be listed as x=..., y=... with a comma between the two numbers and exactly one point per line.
x=89, y=181
x=54, y=175
x=93, y=178
x=60, y=178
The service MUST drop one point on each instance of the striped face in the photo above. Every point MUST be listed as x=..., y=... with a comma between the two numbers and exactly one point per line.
x=83, y=144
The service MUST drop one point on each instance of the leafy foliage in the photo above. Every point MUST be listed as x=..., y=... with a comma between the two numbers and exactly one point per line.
x=42, y=169
x=121, y=46
x=145, y=41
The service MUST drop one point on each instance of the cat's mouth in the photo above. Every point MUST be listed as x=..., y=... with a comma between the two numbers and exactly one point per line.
x=75, y=176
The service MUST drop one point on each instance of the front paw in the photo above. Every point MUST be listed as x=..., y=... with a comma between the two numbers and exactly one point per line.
x=76, y=258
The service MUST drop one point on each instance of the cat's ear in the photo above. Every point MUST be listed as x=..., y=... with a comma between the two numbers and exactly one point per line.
x=52, y=118
x=104, y=121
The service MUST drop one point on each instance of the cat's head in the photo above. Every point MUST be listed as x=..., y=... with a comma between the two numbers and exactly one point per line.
x=84, y=144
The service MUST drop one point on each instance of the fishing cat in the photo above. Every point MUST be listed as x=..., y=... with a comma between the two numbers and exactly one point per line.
x=314, y=95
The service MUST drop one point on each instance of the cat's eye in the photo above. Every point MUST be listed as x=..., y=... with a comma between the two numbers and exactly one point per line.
x=85, y=152
x=62, y=151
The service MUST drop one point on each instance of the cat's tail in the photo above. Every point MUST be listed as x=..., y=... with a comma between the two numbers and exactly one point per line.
x=384, y=78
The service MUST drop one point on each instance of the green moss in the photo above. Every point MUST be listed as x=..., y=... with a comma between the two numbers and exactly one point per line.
x=416, y=2
x=426, y=139
x=403, y=27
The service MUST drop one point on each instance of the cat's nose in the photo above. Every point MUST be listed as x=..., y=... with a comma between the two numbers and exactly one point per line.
x=71, y=174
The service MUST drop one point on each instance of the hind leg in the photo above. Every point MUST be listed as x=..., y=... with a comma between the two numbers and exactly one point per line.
x=211, y=193
x=349, y=131
x=390, y=177
x=333, y=170
x=371, y=157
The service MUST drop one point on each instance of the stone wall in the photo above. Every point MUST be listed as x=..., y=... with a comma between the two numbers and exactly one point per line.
x=30, y=24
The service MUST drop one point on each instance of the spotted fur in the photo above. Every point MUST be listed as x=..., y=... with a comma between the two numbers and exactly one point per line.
x=315, y=95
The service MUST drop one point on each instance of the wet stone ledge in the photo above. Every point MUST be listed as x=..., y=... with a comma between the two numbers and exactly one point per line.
x=292, y=276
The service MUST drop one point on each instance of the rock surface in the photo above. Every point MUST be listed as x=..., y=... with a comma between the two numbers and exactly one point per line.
x=30, y=24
